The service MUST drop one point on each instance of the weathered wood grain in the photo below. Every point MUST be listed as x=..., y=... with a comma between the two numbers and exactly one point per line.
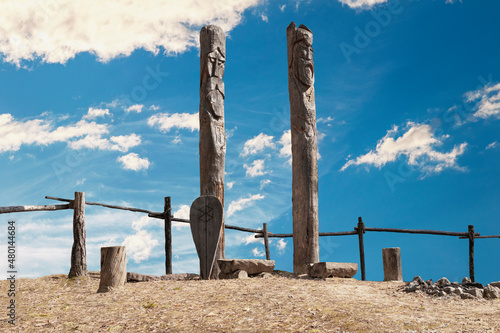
x=79, y=249
x=304, y=147
x=206, y=217
x=212, y=143
x=113, y=268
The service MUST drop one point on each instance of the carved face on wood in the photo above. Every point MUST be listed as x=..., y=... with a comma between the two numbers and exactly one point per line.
x=303, y=62
x=215, y=64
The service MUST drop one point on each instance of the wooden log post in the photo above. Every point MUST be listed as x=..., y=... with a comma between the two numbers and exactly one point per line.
x=304, y=147
x=212, y=144
x=391, y=257
x=78, y=251
x=113, y=268
x=361, y=231
x=168, y=235
x=471, y=252
x=206, y=215
x=266, y=241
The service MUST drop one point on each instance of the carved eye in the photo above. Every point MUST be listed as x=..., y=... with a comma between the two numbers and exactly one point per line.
x=212, y=60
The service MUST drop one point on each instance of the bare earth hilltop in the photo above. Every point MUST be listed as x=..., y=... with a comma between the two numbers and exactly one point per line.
x=281, y=303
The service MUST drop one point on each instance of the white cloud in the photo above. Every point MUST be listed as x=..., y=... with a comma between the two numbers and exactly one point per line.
x=258, y=252
x=57, y=30
x=286, y=143
x=264, y=18
x=120, y=143
x=282, y=8
x=154, y=108
x=81, y=181
x=135, y=108
x=325, y=120
x=256, y=169
x=230, y=185
x=281, y=245
x=488, y=101
x=133, y=162
x=251, y=239
x=140, y=245
x=264, y=182
x=182, y=212
x=417, y=144
x=242, y=203
x=492, y=145
x=362, y=4
x=93, y=113
x=257, y=144
x=15, y=133
x=165, y=122
x=177, y=139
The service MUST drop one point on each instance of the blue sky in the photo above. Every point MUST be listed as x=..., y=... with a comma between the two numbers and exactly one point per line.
x=104, y=99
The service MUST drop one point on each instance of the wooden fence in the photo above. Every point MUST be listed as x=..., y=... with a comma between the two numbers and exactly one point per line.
x=166, y=215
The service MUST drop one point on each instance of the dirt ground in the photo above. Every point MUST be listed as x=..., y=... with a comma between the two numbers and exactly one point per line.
x=277, y=304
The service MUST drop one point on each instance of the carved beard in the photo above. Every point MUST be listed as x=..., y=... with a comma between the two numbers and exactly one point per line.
x=304, y=71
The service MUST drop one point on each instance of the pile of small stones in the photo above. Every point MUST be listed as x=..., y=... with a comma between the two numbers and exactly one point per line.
x=443, y=287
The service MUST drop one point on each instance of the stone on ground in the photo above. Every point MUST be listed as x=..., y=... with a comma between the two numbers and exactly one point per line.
x=251, y=266
x=333, y=269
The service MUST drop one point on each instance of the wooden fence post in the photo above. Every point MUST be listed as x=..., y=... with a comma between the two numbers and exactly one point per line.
x=266, y=241
x=78, y=251
x=361, y=231
x=168, y=235
x=471, y=253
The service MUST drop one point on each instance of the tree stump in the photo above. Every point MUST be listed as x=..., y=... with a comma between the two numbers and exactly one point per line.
x=392, y=264
x=78, y=251
x=113, y=268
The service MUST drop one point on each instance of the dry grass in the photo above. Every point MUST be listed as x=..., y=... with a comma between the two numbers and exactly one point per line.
x=278, y=304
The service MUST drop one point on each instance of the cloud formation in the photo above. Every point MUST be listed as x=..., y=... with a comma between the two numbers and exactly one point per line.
x=362, y=4
x=133, y=162
x=417, y=144
x=256, y=169
x=15, y=133
x=487, y=101
x=165, y=121
x=242, y=203
x=94, y=113
x=257, y=144
x=286, y=145
x=54, y=31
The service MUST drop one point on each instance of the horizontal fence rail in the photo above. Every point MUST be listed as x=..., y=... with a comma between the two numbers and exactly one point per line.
x=166, y=215
x=18, y=209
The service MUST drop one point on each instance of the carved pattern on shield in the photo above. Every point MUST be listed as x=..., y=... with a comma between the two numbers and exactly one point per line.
x=206, y=217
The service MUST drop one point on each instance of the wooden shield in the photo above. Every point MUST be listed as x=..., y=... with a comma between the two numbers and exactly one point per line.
x=206, y=221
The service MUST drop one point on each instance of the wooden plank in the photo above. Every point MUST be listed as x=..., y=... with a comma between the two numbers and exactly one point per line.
x=206, y=216
x=18, y=209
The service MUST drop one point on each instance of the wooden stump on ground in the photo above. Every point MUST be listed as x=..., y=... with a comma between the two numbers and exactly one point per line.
x=113, y=268
x=392, y=264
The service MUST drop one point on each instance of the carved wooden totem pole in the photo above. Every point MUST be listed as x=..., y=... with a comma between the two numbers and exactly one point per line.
x=212, y=133
x=304, y=147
